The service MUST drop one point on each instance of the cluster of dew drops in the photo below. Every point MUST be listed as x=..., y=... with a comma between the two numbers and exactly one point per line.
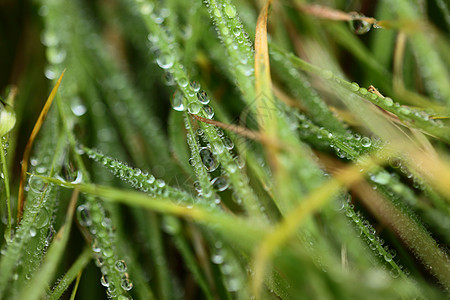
x=85, y=219
x=220, y=183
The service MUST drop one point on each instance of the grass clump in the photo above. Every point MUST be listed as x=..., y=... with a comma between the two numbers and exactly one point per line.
x=227, y=150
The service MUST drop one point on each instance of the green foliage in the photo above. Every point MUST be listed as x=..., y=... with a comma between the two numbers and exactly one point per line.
x=190, y=173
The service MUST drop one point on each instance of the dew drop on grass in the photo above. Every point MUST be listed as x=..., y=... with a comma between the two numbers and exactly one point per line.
x=381, y=178
x=165, y=60
x=168, y=78
x=126, y=283
x=230, y=11
x=84, y=216
x=388, y=257
x=42, y=218
x=354, y=87
x=95, y=246
x=77, y=107
x=203, y=97
x=195, y=86
x=99, y=261
x=363, y=91
x=150, y=179
x=217, y=259
x=177, y=101
x=209, y=112
x=388, y=101
x=104, y=280
x=220, y=183
x=170, y=225
x=405, y=110
x=228, y=143
x=33, y=231
x=233, y=285
x=146, y=8
x=183, y=81
x=394, y=273
x=366, y=142
x=108, y=252
x=199, y=132
x=120, y=265
x=359, y=26
x=55, y=56
x=208, y=159
x=49, y=73
x=36, y=184
x=194, y=108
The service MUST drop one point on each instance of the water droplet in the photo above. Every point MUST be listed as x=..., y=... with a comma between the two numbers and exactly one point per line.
x=33, y=231
x=168, y=78
x=366, y=142
x=42, y=219
x=233, y=285
x=199, y=132
x=195, y=86
x=228, y=143
x=359, y=26
x=104, y=280
x=165, y=60
x=95, y=246
x=49, y=73
x=160, y=183
x=108, y=252
x=84, y=216
x=55, y=56
x=381, y=178
x=354, y=87
x=194, y=108
x=220, y=183
x=77, y=107
x=171, y=225
x=99, y=261
x=146, y=8
x=209, y=112
x=363, y=91
x=208, y=159
x=177, y=101
x=182, y=81
x=394, y=273
x=120, y=265
x=405, y=110
x=126, y=283
x=217, y=259
x=203, y=97
x=36, y=184
x=230, y=11
x=388, y=257
x=150, y=179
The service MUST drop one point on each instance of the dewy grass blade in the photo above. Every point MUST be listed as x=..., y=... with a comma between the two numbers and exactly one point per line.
x=55, y=252
x=73, y=273
x=26, y=154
